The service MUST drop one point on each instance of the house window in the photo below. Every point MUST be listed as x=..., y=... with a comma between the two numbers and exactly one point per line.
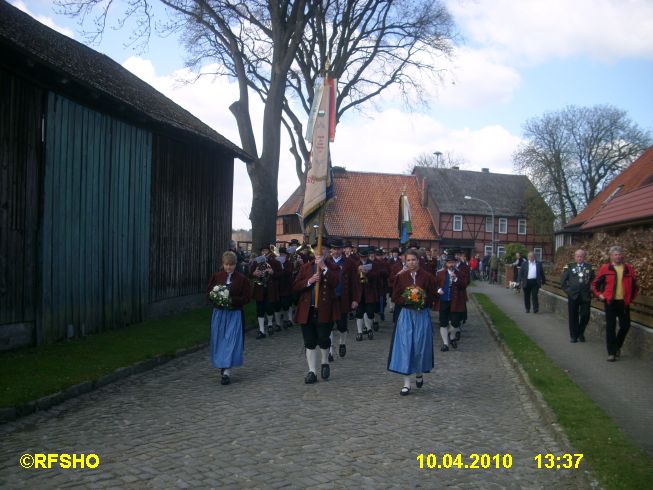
x=489, y=224
x=521, y=227
x=457, y=222
x=501, y=251
x=488, y=250
x=537, y=251
x=503, y=225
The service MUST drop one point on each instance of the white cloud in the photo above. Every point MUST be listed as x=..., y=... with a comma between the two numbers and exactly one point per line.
x=43, y=19
x=532, y=31
x=391, y=140
x=476, y=78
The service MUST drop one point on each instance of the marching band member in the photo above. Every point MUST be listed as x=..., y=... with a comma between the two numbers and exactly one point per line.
x=450, y=299
x=285, y=280
x=382, y=287
x=317, y=320
x=399, y=266
x=266, y=289
x=366, y=295
x=345, y=290
x=228, y=321
x=411, y=350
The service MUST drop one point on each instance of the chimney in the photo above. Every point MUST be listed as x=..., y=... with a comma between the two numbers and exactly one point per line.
x=486, y=170
x=425, y=192
x=455, y=168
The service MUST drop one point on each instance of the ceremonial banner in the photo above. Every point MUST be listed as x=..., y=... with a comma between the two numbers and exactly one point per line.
x=318, y=91
x=405, y=225
x=319, y=184
x=332, y=108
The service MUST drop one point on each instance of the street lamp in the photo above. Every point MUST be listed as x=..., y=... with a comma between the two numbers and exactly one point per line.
x=491, y=212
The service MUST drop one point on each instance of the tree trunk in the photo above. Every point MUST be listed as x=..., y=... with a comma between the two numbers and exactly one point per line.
x=264, y=205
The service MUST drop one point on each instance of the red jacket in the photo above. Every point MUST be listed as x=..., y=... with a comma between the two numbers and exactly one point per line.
x=606, y=279
x=328, y=306
x=458, y=289
x=240, y=291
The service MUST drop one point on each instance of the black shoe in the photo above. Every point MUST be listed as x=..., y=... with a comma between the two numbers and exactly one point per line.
x=278, y=327
x=225, y=380
x=270, y=331
x=618, y=354
x=444, y=348
x=359, y=337
x=364, y=329
x=260, y=335
x=454, y=344
x=375, y=326
x=370, y=334
x=419, y=381
x=457, y=337
x=330, y=357
x=325, y=372
x=535, y=311
x=581, y=338
x=342, y=350
x=310, y=378
x=573, y=341
x=404, y=391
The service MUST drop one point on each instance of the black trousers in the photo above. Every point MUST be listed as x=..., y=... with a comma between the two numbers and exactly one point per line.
x=316, y=333
x=530, y=291
x=366, y=308
x=446, y=315
x=342, y=323
x=579, y=316
x=613, y=310
x=265, y=307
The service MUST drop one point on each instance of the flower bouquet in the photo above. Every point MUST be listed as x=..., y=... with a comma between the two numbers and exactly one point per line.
x=219, y=296
x=414, y=296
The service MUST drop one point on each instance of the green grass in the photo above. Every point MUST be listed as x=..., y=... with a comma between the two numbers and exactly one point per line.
x=617, y=463
x=31, y=373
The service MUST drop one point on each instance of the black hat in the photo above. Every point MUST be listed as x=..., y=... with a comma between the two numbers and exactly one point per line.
x=364, y=252
x=264, y=247
x=283, y=250
x=336, y=243
x=379, y=251
x=348, y=243
x=413, y=244
x=451, y=257
x=294, y=241
x=394, y=250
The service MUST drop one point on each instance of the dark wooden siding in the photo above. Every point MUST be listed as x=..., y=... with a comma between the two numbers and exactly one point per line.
x=20, y=146
x=95, y=238
x=192, y=189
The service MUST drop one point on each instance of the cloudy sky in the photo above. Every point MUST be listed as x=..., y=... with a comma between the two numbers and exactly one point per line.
x=516, y=60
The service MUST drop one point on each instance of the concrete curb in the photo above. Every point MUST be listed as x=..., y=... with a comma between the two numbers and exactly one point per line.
x=12, y=413
x=586, y=480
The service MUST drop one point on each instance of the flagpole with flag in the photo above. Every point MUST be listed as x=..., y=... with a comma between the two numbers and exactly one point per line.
x=405, y=224
x=319, y=178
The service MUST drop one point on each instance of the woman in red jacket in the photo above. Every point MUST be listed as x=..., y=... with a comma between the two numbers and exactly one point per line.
x=227, y=322
x=616, y=285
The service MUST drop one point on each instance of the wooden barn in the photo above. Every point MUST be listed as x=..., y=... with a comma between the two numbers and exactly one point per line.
x=115, y=203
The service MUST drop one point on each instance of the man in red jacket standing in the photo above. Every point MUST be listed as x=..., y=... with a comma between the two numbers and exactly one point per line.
x=616, y=285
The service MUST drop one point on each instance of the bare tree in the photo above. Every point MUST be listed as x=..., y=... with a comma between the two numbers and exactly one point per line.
x=571, y=154
x=436, y=160
x=372, y=46
x=278, y=48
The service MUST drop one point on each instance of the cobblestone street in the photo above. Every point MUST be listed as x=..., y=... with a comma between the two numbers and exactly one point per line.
x=176, y=426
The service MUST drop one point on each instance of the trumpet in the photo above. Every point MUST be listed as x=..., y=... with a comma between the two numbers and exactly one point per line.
x=264, y=267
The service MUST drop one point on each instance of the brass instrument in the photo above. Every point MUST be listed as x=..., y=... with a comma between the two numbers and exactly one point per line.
x=262, y=280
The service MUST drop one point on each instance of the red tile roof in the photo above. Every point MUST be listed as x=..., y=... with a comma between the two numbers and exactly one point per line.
x=367, y=205
x=633, y=206
x=609, y=202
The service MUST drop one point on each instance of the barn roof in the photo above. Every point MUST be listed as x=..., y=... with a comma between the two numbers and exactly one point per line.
x=37, y=47
x=628, y=198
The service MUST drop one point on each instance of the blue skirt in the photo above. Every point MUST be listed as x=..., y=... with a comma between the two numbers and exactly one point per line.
x=226, y=338
x=411, y=350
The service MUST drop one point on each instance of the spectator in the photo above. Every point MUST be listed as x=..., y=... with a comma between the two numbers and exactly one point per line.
x=531, y=278
x=616, y=285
